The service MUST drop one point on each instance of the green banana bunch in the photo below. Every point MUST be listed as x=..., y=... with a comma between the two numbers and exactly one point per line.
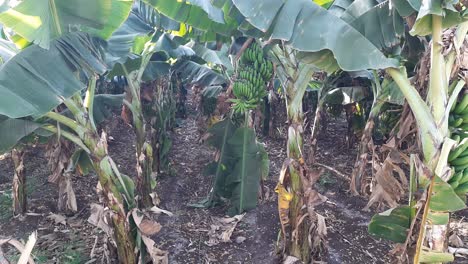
x=458, y=157
x=254, y=72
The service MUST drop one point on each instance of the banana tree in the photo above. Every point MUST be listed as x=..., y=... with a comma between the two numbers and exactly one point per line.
x=70, y=59
x=295, y=78
x=432, y=115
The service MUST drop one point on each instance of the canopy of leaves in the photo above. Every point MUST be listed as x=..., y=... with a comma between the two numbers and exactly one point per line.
x=293, y=21
x=40, y=21
x=48, y=76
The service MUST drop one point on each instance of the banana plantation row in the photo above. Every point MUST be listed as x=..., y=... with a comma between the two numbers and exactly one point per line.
x=67, y=65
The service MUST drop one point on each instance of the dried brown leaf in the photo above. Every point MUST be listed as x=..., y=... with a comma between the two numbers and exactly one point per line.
x=147, y=226
x=58, y=219
x=158, y=256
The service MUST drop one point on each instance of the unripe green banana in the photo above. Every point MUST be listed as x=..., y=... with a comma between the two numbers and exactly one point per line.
x=462, y=188
x=458, y=150
x=461, y=161
x=458, y=122
x=461, y=105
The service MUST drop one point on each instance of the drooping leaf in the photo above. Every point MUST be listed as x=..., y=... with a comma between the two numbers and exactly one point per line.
x=80, y=160
x=305, y=26
x=40, y=21
x=155, y=70
x=121, y=42
x=212, y=91
x=339, y=7
x=167, y=44
x=444, y=198
x=390, y=93
x=438, y=218
x=7, y=50
x=265, y=161
x=200, y=75
x=380, y=24
x=207, y=54
x=392, y=224
x=403, y=7
x=13, y=130
x=244, y=179
x=323, y=60
x=220, y=133
x=47, y=76
x=207, y=18
x=445, y=9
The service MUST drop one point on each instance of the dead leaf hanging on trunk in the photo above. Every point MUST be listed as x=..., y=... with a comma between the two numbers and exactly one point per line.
x=147, y=226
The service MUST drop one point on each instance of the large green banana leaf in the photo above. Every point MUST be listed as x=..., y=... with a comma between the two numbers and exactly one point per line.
x=200, y=14
x=200, y=75
x=13, y=130
x=172, y=47
x=7, y=50
x=211, y=56
x=37, y=80
x=40, y=21
x=121, y=42
x=378, y=22
x=244, y=180
x=445, y=9
x=306, y=26
x=220, y=133
x=392, y=224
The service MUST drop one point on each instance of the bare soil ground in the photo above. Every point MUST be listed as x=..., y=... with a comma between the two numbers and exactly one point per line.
x=189, y=234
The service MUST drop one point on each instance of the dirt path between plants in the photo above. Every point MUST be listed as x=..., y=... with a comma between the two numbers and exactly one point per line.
x=190, y=234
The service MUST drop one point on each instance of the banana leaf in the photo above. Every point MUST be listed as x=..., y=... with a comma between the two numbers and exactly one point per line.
x=244, y=180
x=48, y=76
x=13, y=130
x=392, y=224
x=41, y=21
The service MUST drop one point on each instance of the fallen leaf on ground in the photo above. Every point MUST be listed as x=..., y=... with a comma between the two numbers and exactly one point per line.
x=58, y=219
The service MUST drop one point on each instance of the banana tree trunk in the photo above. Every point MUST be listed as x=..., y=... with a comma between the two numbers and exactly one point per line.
x=293, y=184
x=299, y=247
x=19, y=183
x=107, y=173
x=119, y=203
x=144, y=151
x=357, y=176
x=114, y=200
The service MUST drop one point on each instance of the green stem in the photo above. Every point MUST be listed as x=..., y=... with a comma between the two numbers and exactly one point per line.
x=55, y=16
x=64, y=120
x=72, y=106
x=438, y=90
